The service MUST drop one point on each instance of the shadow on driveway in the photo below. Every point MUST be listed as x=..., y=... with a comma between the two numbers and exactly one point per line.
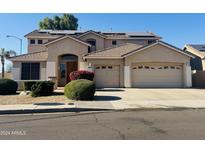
x=110, y=90
x=106, y=98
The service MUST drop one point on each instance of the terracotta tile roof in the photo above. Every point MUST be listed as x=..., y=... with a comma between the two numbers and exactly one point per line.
x=36, y=56
x=116, y=52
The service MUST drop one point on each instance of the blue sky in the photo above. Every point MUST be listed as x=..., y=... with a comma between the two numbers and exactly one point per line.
x=177, y=29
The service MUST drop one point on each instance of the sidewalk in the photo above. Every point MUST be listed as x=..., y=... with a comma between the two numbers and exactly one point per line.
x=82, y=106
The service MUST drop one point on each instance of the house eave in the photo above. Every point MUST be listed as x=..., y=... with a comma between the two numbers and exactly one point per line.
x=101, y=57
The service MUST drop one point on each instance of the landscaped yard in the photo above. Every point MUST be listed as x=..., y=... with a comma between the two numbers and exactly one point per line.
x=17, y=99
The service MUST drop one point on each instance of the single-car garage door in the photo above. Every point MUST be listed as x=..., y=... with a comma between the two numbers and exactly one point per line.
x=157, y=75
x=107, y=76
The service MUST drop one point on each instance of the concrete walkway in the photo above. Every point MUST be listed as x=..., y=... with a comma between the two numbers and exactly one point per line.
x=120, y=99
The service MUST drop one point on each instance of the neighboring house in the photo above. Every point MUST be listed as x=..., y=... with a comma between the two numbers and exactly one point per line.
x=198, y=62
x=118, y=59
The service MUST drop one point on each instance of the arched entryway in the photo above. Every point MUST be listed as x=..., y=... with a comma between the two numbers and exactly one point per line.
x=67, y=64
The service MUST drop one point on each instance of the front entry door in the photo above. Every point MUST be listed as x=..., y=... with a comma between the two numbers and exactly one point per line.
x=71, y=66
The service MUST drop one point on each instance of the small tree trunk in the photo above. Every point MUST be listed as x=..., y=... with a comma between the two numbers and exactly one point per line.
x=2, y=67
x=2, y=70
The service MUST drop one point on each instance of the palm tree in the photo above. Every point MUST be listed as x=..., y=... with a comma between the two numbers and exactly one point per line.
x=5, y=55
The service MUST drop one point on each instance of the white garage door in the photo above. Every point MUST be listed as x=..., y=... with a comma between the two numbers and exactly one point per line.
x=157, y=75
x=107, y=76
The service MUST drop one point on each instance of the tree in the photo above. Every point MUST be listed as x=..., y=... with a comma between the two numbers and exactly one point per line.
x=47, y=23
x=64, y=22
x=5, y=55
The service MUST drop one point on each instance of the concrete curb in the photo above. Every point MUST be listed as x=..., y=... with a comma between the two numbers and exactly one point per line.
x=51, y=110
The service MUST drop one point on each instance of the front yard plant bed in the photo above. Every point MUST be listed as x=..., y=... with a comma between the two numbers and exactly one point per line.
x=28, y=84
x=80, y=90
x=8, y=87
x=42, y=88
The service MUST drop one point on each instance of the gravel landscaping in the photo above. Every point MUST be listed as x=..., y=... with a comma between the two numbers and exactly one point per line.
x=17, y=99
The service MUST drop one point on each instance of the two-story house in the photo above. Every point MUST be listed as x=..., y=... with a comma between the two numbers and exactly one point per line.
x=119, y=59
x=198, y=50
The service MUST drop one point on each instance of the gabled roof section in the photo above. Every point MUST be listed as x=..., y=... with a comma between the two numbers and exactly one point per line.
x=92, y=32
x=36, y=56
x=200, y=47
x=128, y=49
x=114, y=52
x=64, y=37
x=195, y=49
x=163, y=44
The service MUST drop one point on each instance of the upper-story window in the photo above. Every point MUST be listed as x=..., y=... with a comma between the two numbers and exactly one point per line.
x=114, y=42
x=92, y=42
x=40, y=41
x=151, y=41
x=32, y=41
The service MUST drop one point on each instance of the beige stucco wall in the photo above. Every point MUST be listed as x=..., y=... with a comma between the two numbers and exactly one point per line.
x=159, y=54
x=99, y=40
x=118, y=62
x=65, y=46
x=36, y=47
x=197, y=53
x=108, y=42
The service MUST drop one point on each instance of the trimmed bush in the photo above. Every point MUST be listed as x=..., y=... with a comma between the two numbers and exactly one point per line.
x=42, y=88
x=8, y=86
x=27, y=85
x=82, y=74
x=80, y=90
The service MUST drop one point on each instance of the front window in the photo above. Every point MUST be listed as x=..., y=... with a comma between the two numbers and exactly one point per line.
x=40, y=41
x=92, y=42
x=151, y=41
x=30, y=71
x=114, y=42
x=32, y=41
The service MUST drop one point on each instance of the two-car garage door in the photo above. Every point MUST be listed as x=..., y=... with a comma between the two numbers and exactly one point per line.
x=142, y=75
x=107, y=76
x=157, y=75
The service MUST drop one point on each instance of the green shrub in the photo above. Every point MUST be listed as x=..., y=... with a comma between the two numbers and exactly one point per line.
x=42, y=88
x=80, y=90
x=8, y=86
x=27, y=85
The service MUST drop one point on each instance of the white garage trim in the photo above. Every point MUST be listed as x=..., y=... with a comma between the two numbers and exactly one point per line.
x=127, y=77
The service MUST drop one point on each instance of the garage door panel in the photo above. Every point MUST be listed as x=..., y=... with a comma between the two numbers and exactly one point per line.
x=150, y=75
x=107, y=76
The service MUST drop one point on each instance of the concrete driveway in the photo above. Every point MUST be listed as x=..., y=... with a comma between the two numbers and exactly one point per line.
x=153, y=98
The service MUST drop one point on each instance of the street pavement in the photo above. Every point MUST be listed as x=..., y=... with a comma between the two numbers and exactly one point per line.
x=120, y=125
